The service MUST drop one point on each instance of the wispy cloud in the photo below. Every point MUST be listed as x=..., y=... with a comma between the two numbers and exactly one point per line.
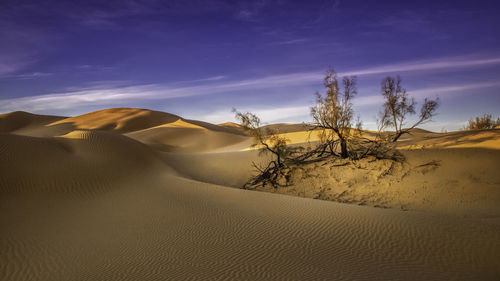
x=449, y=90
x=291, y=41
x=116, y=94
x=208, y=79
x=267, y=115
x=21, y=43
x=113, y=93
x=448, y=63
x=29, y=76
x=94, y=68
x=245, y=15
x=300, y=113
x=406, y=21
x=249, y=11
x=432, y=92
x=75, y=98
x=13, y=63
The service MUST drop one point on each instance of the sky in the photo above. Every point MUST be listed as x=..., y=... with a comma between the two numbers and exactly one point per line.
x=199, y=59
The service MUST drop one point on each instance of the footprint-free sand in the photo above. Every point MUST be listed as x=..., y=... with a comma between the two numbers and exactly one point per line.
x=132, y=194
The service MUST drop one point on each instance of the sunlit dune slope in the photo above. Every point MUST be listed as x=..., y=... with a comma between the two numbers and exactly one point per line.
x=230, y=125
x=416, y=139
x=121, y=120
x=163, y=131
x=453, y=173
x=489, y=139
x=219, y=128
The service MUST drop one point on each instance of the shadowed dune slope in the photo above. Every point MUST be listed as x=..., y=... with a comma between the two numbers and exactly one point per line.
x=80, y=162
x=20, y=122
x=288, y=127
x=182, y=136
x=222, y=168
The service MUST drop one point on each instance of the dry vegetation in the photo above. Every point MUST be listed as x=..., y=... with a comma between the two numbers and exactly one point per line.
x=271, y=142
x=339, y=137
x=398, y=106
x=483, y=122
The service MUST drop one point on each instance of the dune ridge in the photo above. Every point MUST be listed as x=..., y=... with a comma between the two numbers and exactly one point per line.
x=121, y=120
x=162, y=131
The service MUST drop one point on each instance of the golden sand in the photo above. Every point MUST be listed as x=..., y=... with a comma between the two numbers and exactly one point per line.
x=130, y=194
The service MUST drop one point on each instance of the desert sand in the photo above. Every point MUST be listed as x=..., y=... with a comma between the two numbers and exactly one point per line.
x=134, y=194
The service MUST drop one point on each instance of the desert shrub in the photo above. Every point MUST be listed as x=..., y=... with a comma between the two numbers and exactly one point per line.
x=398, y=105
x=333, y=114
x=339, y=136
x=482, y=122
x=267, y=140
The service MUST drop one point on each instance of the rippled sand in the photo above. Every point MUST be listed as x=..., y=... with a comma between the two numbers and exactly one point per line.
x=98, y=205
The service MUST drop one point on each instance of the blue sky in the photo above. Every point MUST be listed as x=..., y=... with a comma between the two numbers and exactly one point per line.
x=199, y=59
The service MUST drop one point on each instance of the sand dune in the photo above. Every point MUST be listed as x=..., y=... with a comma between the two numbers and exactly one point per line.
x=163, y=131
x=182, y=136
x=121, y=120
x=71, y=163
x=432, y=180
x=24, y=123
x=97, y=200
x=489, y=139
x=230, y=125
x=227, y=168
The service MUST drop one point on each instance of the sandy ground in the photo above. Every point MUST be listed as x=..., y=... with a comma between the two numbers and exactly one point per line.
x=130, y=194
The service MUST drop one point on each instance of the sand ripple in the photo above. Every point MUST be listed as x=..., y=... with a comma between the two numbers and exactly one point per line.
x=173, y=228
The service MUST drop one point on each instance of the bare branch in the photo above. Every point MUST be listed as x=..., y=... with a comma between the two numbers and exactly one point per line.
x=398, y=106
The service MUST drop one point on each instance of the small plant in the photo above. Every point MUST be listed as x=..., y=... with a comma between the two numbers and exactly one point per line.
x=483, y=122
x=269, y=141
x=399, y=105
x=333, y=114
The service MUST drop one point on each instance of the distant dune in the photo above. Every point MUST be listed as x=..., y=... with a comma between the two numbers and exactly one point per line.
x=188, y=136
x=135, y=194
x=21, y=122
x=122, y=120
x=230, y=125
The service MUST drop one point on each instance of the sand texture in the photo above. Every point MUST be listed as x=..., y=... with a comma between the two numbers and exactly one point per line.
x=132, y=194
